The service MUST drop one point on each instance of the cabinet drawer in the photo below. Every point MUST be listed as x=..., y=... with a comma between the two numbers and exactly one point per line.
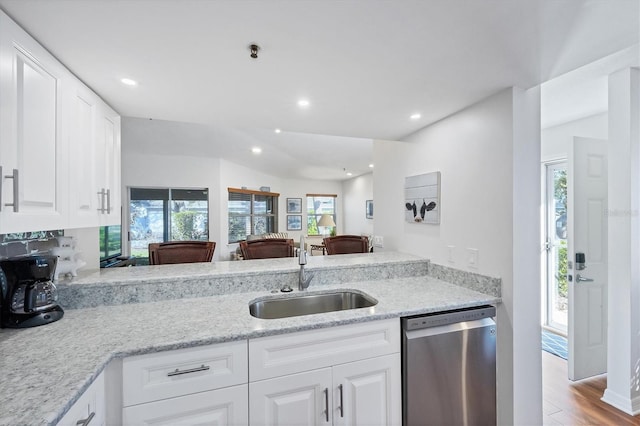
x=184, y=371
x=218, y=407
x=279, y=355
x=90, y=407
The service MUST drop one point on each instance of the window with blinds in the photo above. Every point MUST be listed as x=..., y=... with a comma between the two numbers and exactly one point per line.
x=251, y=212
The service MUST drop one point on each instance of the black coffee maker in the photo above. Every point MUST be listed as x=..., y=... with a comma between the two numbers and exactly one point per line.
x=27, y=293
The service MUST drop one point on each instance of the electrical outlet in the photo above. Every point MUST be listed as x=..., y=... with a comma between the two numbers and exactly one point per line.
x=450, y=253
x=378, y=241
x=472, y=256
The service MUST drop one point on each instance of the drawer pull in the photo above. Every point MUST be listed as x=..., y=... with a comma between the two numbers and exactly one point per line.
x=16, y=191
x=85, y=422
x=178, y=372
x=326, y=403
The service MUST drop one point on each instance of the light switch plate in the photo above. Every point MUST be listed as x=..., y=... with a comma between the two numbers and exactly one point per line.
x=450, y=250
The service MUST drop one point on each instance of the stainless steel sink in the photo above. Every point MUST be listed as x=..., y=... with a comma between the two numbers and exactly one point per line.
x=305, y=304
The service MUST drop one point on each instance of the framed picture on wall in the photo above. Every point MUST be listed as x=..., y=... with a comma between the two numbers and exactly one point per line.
x=294, y=222
x=294, y=205
x=369, y=209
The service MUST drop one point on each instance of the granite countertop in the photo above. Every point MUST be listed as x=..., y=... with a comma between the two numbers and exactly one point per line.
x=45, y=369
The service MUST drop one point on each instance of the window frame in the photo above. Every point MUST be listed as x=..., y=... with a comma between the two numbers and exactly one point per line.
x=312, y=216
x=158, y=194
x=252, y=215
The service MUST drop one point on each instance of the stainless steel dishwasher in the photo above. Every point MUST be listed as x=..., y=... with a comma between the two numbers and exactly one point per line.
x=449, y=368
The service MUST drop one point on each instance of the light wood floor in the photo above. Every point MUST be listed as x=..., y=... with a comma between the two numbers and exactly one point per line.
x=576, y=403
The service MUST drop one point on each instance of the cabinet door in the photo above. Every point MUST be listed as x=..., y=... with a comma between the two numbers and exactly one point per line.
x=89, y=408
x=108, y=147
x=294, y=400
x=32, y=148
x=227, y=406
x=83, y=153
x=368, y=392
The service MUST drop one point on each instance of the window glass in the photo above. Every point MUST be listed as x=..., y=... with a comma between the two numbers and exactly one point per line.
x=165, y=214
x=317, y=205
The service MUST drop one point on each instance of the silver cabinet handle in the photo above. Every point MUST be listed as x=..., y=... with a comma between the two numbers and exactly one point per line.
x=16, y=188
x=178, y=372
x=85, y=422
x=580, y=278
x=326, y=403
x=108, y=201
x=341, y=406
x=101, y=194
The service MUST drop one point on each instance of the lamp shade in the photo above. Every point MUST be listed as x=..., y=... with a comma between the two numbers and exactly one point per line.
x=326, y=220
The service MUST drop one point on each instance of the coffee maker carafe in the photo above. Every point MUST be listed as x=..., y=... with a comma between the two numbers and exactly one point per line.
x=27, y=293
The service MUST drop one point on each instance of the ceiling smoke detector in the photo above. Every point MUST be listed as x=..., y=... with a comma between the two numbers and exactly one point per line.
x=254, y=50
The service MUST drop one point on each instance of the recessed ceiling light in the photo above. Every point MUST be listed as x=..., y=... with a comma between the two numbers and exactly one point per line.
x=128, y=82
x=371, y=166
x=303, y=103
x=349, y=174
x=256, y=150
x=277, y=130
x=415, y=116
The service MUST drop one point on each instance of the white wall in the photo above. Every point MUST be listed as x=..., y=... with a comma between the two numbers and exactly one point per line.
x=556, y=140
x=477, y=151
x=623, y=355
x=356, y=192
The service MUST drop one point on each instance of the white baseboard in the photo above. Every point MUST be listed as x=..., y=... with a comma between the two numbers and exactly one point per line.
x=629, y=406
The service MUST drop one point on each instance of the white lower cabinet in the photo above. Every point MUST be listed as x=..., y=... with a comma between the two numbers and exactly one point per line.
x=345, y=375
x=90, y=408
x=221, y=407
x=368, y=392
x=359, y=382
x=359, y=393
x=200, y=385
x=296, y=399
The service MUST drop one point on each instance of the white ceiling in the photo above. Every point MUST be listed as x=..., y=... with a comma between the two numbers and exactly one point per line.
x=364, y=65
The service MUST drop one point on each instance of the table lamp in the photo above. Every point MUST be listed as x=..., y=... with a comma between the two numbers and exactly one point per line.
x=326, y=221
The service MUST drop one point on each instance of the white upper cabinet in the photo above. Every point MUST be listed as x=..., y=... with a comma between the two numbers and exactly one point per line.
x=94, y=188
x=108, y=165
x=83, y=195
x=59, y=143
x=32, y=144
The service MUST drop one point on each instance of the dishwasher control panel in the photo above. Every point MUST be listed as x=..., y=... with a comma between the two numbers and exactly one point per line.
x=448, y=317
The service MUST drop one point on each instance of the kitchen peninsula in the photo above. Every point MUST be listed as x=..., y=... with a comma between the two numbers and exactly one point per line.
x=121, y=313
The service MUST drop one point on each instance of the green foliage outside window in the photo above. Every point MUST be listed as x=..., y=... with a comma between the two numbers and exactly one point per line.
x=187, y=225
x=561, y=275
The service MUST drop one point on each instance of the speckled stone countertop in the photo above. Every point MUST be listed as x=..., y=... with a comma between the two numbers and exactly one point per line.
x=45, y=369
x=119, y=286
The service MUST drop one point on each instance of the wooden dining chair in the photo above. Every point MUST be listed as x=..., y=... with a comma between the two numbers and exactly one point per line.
x=267, y=248
x=345, y=244
x=181, y=252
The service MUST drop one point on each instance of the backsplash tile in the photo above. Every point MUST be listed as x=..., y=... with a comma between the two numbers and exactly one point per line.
x=18, y=244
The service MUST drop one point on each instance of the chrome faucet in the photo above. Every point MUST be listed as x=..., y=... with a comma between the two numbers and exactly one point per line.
x=303, y=280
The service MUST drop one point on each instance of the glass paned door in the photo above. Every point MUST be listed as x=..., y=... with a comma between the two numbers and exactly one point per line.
x=165, y=214
x=556, y=247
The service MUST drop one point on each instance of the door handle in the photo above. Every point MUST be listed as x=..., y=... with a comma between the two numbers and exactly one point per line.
x=580, y=278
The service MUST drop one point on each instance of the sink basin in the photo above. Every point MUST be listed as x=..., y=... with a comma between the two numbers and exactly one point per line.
x=306, y=304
